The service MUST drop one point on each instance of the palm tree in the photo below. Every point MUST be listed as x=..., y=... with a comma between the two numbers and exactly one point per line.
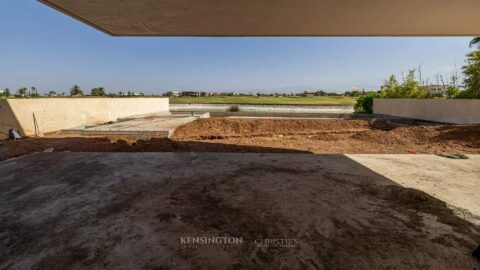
x=22, y=91
x=76, y=91
x=472, y=71
x=475, y=41
x=475, y=55
x=34, y=91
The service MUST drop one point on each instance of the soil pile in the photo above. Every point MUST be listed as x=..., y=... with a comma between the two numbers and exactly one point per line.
x=275, y=136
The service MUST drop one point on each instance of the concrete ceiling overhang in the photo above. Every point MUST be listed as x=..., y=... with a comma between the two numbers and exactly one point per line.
x=276, y=17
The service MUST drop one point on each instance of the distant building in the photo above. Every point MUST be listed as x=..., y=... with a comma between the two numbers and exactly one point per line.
x=172, y=94
x=437, y=89
x=310, y=93
x=193, y=94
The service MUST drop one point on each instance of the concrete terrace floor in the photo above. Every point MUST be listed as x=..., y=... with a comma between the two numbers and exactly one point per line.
x=456, y=182
x=130, y=210
x=149, y=126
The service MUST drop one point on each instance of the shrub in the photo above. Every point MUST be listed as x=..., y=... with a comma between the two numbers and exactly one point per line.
x=365, y=103
x=472, y=72
x=234, y=108
x=409, y=88
x=98, y=91
x=76, y=91
x=453, y=91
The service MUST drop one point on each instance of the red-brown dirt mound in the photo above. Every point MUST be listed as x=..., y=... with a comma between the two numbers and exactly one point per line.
x=274, y=136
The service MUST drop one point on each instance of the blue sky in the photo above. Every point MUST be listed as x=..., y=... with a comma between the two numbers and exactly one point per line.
x=44, y=48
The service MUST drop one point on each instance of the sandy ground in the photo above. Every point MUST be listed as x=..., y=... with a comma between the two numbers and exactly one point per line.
x=275, y=136
x=130, y=210
x=454, y=181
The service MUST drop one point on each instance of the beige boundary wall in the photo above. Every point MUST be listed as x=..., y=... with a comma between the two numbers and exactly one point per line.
x=452, y=111
x=43, y=115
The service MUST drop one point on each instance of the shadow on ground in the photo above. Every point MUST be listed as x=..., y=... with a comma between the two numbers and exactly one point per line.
x=130, y=210
x=11, y=149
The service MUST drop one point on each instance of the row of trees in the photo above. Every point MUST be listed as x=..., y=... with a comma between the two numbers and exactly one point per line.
x=410, y=87
x=24, y=92
x=75, y=91
x=5, y=93
x=100, y=92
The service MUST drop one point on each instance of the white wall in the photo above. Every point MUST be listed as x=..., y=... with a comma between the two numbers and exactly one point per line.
x=54, y=114
x=261, y=108
x=452, y=111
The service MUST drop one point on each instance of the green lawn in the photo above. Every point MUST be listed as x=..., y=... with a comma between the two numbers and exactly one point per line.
x=267, y=100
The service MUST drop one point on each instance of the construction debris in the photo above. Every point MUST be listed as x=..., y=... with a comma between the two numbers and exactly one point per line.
x=453, y=156
x=14, y=134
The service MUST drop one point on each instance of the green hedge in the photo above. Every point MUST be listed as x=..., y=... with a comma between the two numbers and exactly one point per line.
x=365, y=103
